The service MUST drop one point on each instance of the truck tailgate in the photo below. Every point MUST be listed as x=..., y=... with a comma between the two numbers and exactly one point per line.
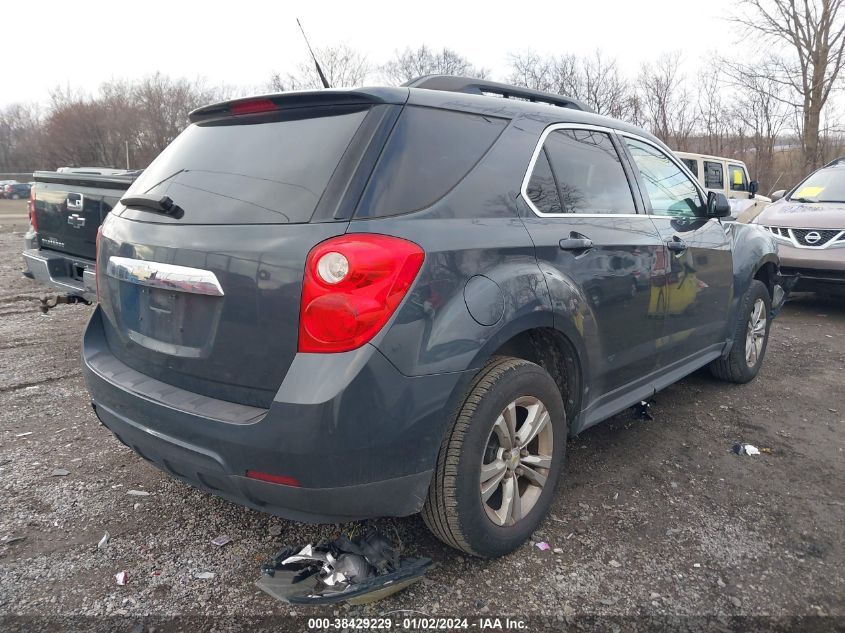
x=70, y=207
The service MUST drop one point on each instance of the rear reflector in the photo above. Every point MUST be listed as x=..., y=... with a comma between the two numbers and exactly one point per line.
x=284, y=480
x=252, y=107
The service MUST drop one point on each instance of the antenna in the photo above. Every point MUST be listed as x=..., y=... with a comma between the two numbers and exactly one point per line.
x=314, y=57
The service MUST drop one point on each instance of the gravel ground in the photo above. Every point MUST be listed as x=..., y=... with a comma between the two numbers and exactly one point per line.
x=653, y=519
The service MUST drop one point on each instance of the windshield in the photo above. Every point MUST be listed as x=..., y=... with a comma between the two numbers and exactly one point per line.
x=252, y=171
x=826, y=185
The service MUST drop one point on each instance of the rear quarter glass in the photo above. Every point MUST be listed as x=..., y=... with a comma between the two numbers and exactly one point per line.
x=429, y=152
x=255, y=169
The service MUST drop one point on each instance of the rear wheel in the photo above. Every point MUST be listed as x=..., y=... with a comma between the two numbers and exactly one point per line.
x=750, y=337
x=498, y=466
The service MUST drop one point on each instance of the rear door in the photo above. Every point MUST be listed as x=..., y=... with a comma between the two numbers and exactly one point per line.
x=699, y=267
x=209, y=301
x=585, y=223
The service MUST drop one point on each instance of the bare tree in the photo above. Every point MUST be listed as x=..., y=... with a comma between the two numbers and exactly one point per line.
x=714, y=120
x=20, y=128
x=413, y=63
x=813, y=31
x=164, y=104
x=594, y=79
x=602, y=86
x=760, y=113
x=343, y=67
x=549, y=74
x=667, y=107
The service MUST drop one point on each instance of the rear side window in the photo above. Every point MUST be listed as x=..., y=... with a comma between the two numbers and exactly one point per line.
x=587, y=171
x=542, y=190
x=252, y=170
x=428, y=153
x=714, y=175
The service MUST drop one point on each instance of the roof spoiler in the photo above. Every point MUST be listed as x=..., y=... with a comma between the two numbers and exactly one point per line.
x=299, y=99
x=469, y=85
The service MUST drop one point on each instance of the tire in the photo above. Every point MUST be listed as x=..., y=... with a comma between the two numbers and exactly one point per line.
x=15, y=196
x=742, y=365
x=454, y=509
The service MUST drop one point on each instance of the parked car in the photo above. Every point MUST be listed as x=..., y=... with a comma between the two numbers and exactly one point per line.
x=16, y=191
x=729, y=177
x=808, y=222
x=342, y=304
x=3, y=184
x=66, y=208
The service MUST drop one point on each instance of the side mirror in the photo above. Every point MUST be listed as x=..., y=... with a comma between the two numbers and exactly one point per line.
x=717, y=205
x=753, y=186
x=777, y=195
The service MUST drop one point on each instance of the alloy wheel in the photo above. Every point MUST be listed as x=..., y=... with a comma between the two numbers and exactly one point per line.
x=516, y=461
x=756, y=333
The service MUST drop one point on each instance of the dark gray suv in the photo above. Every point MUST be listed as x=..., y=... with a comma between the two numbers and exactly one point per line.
x=343, y=304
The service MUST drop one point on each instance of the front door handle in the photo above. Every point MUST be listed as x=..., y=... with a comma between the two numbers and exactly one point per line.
x=676, y=245
x=576, y=244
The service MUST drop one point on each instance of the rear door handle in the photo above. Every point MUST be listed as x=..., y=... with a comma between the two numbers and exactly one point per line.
x=676, y=245
x=576, y=244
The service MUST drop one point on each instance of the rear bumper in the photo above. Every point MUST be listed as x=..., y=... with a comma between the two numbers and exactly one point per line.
x=360, y=437
x=71, y=275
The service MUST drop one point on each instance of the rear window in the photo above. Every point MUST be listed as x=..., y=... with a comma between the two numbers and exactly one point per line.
x=428, y=153
x=252, y=170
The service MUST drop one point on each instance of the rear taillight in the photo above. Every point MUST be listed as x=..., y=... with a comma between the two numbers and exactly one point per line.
x=33, y=220
x=97, y=260
x=352, y=285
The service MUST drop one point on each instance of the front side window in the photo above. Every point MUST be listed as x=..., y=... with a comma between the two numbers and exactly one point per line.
x=586, y=171
x=714, y=175
x=670, y=190
x=739, y=181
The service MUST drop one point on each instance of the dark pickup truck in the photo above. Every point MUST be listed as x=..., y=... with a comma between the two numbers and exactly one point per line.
x=66, y=207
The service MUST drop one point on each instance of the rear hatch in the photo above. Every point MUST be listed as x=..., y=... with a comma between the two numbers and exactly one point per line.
x=69, y=209
x=209, y=301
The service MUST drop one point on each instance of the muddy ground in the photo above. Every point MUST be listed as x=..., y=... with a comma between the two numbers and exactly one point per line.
x=653, y=518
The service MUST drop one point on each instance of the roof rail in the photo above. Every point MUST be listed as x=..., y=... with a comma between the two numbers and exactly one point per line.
x=836, y=161
x=469, y=85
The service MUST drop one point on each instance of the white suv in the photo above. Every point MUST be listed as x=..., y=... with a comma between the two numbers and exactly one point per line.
x=729, y=177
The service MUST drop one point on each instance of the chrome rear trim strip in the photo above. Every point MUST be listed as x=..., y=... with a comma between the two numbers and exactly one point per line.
x=165, y=276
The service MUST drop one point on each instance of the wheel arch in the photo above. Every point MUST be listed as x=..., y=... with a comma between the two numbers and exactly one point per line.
x=538, y=339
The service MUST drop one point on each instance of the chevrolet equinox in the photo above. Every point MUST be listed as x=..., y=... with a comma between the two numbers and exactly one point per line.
x=341, y=304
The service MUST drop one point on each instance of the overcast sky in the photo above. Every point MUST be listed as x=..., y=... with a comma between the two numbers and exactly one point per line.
x=241, y=42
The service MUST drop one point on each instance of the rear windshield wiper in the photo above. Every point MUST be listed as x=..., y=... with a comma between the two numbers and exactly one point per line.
x=159, y=204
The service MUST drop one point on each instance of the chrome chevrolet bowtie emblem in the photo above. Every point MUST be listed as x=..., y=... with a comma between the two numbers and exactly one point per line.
x=76, y=221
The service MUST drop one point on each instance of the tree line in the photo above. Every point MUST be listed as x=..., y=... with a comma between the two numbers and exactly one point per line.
x=777, y=112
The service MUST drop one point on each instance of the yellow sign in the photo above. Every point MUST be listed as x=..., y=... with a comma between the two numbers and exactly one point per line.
x=808, y=192
x=737, y=177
